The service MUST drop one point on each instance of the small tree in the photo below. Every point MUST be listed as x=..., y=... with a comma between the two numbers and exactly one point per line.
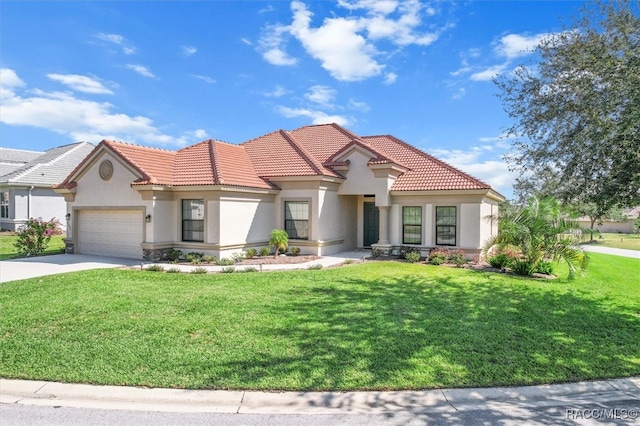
x=34, y=236
x=279, y=239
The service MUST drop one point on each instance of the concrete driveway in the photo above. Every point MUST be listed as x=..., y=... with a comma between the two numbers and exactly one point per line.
x=30, y=267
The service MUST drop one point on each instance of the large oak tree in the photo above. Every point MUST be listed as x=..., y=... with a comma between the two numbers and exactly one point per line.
x=576, y=110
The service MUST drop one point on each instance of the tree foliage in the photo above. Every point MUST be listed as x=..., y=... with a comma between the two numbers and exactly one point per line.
x=576, y=110
x=540, y=231
x=279, y=239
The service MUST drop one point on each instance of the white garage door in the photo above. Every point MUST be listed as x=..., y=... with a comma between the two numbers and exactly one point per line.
x=115, y=233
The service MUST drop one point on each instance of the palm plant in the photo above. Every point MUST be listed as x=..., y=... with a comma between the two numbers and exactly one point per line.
x=540, y=231
x=279, y=239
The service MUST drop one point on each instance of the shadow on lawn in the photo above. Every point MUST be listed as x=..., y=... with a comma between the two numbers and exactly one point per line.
x=418, y=332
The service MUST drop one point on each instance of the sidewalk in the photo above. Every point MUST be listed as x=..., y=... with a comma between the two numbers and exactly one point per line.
x=218, y=401
x=610, y=250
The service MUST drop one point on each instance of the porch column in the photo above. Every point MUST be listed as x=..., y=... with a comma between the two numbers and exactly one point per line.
x=383, y=225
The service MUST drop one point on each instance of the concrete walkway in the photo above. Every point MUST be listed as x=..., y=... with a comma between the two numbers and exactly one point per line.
x=31, y=267
x=609, y=250
x=218, y=401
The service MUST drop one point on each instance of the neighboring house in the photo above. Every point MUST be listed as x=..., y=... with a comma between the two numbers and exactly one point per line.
x=27, y=179
x=626, y=226
x=330, y=189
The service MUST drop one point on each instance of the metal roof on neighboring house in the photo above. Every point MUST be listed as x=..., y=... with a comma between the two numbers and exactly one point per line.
x=42, y=168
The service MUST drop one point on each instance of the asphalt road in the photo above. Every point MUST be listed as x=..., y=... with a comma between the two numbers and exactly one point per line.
x=610, y=413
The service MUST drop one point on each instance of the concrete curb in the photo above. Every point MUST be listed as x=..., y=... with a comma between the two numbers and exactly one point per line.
x=43, y=393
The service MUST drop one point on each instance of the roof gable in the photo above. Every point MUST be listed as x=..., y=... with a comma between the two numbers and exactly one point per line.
x=48, y=168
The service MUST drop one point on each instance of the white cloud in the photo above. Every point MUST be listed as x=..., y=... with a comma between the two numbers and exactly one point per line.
x=483, y=162
x=81, y=83
x=118, y=40
x=204, y=78
x=270, y=45
x=321, y=95
x=9, y=80
x=188, y=50
x=460, y=93
x=346, y=46
x=358, y=106
x=141, y=69
x=390, y=78
x=277, y=92
x=489, y=73
x=246, y=41
x=278, y=57
x=113, y=38
x=513, y=46
x=77, y=118
x=317, y=117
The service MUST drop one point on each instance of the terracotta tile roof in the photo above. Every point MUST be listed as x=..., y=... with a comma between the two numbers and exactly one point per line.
x=206, y=163
x=234, y=167
x=426, y=173
x=323, y=141
x=307, y=151
x=279, y=154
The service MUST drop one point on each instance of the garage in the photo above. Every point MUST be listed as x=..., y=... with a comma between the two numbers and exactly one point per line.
x=116, y=233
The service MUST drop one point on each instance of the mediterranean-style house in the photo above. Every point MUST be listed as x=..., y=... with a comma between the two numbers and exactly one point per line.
x=330, y=189
x=26, y=180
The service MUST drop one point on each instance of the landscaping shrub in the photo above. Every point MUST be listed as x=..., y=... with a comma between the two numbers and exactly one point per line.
x=225, y=261
x=376, y=252
x=194, y=257
x=173, y=255
x=458, y=258
x=348, y=261
x=209, y=259
x=33, y=237
x=264, y=251
x=249, y=269
x=522, y=267
x=173, y=271
x=228, y=270
x=438, y=256
x=198, y=271
x=155, y=268
x=404, y=250
x=500, y=260
x=295, y=251
x=237, y=256
x=545, y=267
x=315, y=267
x=412, y=256
x=251, y=253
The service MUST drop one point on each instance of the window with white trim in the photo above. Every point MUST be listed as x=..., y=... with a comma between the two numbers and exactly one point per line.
x=193, y=220
x=446, y=221
x=411, y=225
x=4, y=205
x=296, y=219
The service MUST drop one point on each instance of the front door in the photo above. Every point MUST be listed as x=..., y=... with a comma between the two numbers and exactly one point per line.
x=371, y=222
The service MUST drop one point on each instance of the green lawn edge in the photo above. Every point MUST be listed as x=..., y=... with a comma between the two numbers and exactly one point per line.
x=372, y=326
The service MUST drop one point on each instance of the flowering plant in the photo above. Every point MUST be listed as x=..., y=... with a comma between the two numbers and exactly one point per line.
x=34, y=236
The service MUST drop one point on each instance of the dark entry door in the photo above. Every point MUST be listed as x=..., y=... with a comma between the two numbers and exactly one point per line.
x=371, y=221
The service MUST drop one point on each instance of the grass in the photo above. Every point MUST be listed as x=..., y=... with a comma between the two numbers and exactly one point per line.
x=623, y=241
x=9, y=251
x=378, y=326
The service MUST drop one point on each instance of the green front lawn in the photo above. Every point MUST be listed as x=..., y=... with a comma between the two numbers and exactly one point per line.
x=381, y=325
x=623, y=241
x=8, y=248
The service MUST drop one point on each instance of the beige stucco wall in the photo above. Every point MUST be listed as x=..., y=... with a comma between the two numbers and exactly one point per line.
x=361, y=179
x=25, y=203
x=471, y=209
x=625, y=227
x=244, y=220
x=92, y=192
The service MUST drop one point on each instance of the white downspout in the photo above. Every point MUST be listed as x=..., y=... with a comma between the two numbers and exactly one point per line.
x=29, y=203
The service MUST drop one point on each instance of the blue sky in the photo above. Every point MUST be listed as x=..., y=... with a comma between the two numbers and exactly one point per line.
x=174, y=73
